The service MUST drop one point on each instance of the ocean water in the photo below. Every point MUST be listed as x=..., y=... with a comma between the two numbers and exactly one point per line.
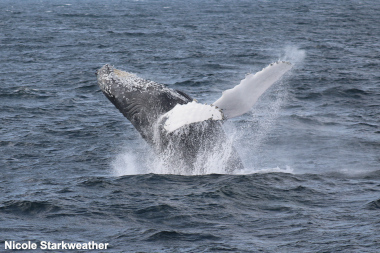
x=74, y=169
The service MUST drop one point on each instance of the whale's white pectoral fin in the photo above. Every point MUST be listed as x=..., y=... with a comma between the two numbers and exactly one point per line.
x=234, y=102
x=240, y=99
x=189, y=113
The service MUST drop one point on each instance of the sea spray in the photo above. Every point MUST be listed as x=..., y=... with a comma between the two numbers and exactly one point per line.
x=293, y=54
x=132, y=161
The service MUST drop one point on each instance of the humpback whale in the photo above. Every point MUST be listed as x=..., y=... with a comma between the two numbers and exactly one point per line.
x=182, y=131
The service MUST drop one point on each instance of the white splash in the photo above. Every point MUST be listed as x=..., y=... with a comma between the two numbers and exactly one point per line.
x=126, y=163
x=287, y=169
x=192, y=150
x=294, y=55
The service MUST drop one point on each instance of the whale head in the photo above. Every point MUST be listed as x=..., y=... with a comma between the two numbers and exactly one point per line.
x=141, y=101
